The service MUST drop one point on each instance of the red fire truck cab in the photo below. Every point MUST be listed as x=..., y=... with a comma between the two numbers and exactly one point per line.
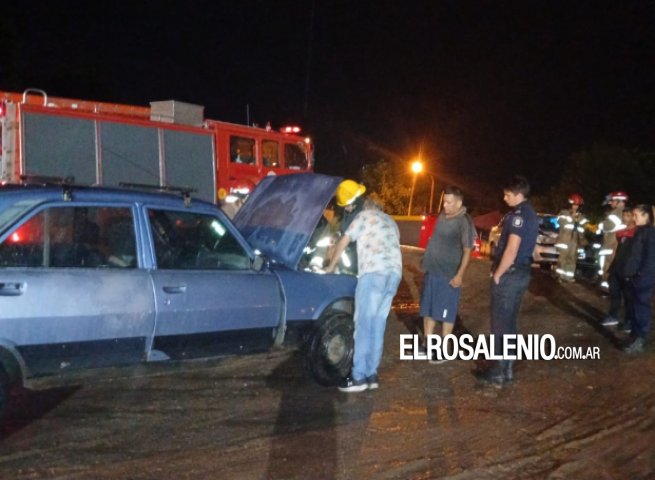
x=248, y=154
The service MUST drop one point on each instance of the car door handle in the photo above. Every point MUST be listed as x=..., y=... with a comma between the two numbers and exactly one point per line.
x=175, y=289
x=11, y=289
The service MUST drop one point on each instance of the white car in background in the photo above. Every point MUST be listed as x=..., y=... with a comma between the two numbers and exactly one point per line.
x=545, y=254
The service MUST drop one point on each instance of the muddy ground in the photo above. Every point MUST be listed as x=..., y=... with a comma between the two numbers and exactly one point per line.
x=259, y=417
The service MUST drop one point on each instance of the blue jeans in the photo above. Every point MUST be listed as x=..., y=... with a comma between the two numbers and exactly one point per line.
x=642, y=286
x=505, y=303
x=373, y=297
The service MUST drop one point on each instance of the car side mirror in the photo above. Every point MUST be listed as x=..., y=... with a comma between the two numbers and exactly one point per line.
x=258, y=263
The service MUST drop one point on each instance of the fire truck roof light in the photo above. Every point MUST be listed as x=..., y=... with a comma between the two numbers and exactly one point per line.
x=290, y=129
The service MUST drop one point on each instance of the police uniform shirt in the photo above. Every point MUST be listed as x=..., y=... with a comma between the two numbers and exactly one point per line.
x=524, y=222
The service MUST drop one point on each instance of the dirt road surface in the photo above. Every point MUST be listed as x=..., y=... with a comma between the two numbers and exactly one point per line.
x=259, y=417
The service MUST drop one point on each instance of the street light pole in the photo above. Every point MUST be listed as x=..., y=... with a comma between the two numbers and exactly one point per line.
x=417, y=166
x=431, y=191
x=411, y=196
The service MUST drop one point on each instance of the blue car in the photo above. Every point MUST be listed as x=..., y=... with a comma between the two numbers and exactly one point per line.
x=95, y=277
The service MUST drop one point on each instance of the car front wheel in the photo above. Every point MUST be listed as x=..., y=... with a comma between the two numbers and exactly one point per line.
x=330, y=349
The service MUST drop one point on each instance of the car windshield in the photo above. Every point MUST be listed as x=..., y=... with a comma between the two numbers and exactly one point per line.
x=548, y=223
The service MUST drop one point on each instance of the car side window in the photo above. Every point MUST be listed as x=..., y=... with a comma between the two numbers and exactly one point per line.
x=73, y=237
x=271, y=153
x=242, y=150
x=193, y=241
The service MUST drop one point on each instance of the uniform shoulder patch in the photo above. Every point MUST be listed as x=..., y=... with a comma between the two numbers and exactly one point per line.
x=517, y=222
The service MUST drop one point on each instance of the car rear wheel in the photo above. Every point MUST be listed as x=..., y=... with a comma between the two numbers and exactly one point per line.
x=330, y=349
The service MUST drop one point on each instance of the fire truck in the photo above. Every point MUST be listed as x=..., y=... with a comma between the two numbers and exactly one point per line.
x=168, y=143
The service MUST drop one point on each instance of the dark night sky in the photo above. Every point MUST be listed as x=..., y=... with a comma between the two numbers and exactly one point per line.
x=484, y=88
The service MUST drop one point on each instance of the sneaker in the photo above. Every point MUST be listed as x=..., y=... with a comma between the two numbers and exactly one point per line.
x=635, y=346
x=372, y=382
x=352, y=385
x=609, y=321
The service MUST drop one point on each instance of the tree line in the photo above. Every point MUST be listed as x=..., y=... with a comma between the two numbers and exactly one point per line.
x=592, y=172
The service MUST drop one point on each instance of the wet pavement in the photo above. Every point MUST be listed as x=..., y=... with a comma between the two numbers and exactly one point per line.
x=259, y=417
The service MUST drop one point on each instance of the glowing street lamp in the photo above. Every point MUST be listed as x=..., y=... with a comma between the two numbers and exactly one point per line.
x=417, y=167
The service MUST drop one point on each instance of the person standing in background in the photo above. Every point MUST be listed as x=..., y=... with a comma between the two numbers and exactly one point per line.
x=571, y=228
x=444, y=262
x=608, y=227
x=510, y=273
x=640, y=270
x=620, y=288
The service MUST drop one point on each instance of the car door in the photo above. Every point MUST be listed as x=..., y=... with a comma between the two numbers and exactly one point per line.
x=209, y=298
x=71, y=292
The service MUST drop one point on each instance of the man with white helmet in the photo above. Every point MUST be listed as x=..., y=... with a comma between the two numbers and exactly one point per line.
x=379, y=271
x=608, y=227
x=571, y=232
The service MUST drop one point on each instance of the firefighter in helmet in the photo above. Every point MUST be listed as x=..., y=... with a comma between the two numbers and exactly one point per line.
x=571, y=233
x=350, y=200
x=350, y=192
x=608, y=227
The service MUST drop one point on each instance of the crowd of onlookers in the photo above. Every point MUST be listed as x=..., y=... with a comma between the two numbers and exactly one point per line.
x=626, y=261
x=626, y=265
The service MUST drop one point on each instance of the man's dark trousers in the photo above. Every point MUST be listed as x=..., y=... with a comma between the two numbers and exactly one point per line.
x=505, y=303
x=620, y=293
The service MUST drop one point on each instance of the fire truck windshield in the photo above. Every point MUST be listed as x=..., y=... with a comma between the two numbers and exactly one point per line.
x=295, y=155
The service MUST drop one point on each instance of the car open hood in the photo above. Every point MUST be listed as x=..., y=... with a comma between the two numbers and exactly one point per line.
x=282, y=212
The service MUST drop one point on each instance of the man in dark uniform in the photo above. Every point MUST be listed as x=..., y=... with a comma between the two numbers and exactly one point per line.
x=510, y=272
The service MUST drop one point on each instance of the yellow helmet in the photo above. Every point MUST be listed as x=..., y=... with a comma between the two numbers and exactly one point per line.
x=348, y=191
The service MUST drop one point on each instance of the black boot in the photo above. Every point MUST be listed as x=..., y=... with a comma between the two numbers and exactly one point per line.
x=493, y=376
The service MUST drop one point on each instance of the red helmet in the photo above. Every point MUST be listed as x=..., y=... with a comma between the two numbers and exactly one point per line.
x=576, y=199
x=618, y=195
